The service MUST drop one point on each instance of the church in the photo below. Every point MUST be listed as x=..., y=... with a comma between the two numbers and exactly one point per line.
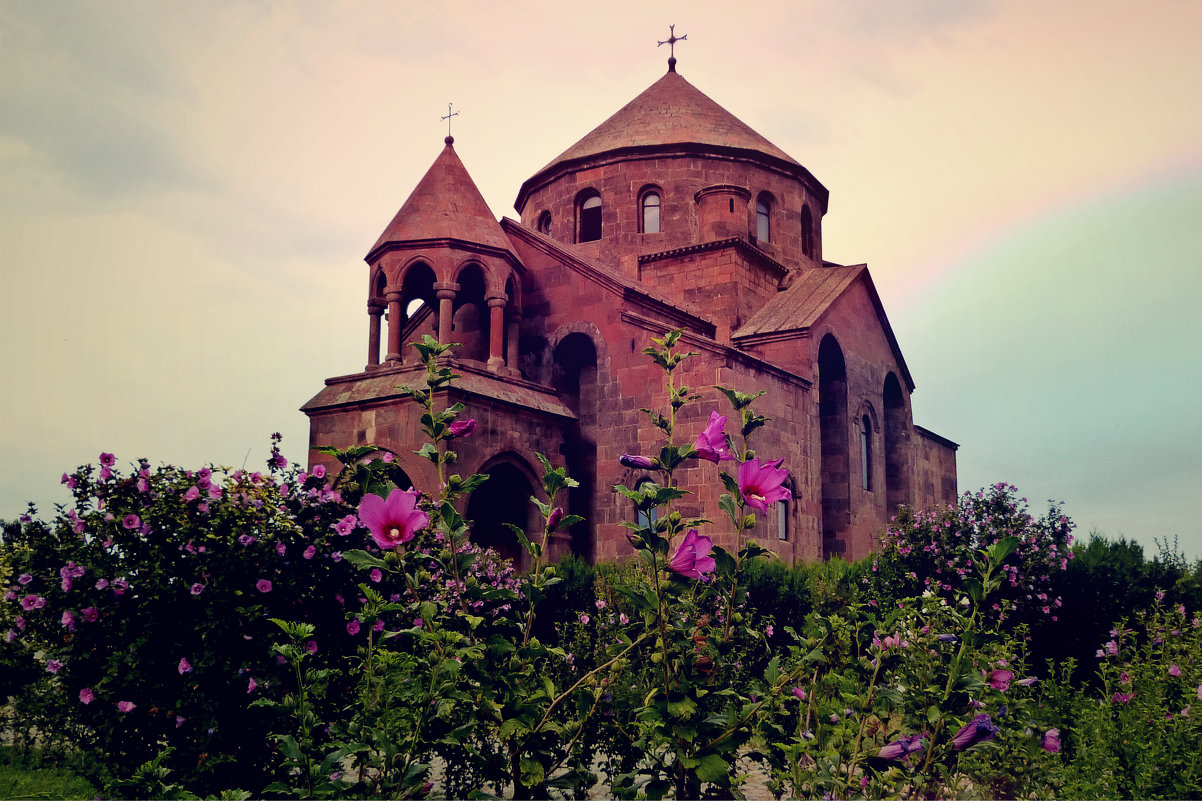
x=672, y=213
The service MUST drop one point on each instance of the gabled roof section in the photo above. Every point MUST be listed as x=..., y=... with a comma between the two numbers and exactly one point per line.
x=669, y=112
x=797, y=309
x=608, y=278
x=445, y=205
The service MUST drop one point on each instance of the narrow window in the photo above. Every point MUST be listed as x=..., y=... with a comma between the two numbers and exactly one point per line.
x=782, y=520
x=590, y=219
x=732, y=205
x=763, y=229
x=650, y=213
x=866, y=451
x=544, y=223
x=807, y=231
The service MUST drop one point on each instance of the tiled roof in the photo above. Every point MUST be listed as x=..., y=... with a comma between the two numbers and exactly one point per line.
x=445, y=205
x=800, y=306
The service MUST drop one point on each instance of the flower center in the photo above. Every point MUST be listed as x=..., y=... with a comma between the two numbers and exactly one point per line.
x=395, y=533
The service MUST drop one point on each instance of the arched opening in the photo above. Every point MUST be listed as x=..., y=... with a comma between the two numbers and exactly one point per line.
x=416, y=308
x=650, y=213
x=503, y=499
x=833, y=423
x=763, y=218
x=807, y=232
x=470, y=319
x=575, y=377
x=588, y=216
x=544, y=223
x=897, y=472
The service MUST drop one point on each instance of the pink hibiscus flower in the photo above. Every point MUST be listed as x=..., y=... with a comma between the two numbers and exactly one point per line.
x=692, y=559
x=395, y=520
x=760, y=483
x=712, y=444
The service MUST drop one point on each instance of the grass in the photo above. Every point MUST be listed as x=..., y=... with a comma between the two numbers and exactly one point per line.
x=26, y=778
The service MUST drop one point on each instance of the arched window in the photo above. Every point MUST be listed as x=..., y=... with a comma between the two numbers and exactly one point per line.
x=807, y=231
x=763, y=215
x=782, y=520
x=544, y=223
x=651, y=213
x=589, y=217
x=866, y=452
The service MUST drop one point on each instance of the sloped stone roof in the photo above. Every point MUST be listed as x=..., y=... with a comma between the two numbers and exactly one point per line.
x=446, y=204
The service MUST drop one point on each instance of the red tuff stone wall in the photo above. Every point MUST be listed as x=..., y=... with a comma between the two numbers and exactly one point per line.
x=935, y=470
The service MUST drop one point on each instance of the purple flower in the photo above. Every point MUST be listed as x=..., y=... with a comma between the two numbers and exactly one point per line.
x=311, y=647
x=319, y=471
x=352, y=628
x=346, y=525
x=1030, y=681
x=279, y=461
x=376, y=575
x=131, y=521
x=800, y=693
x=977, y=730
x=120, y=586
x=712, y=444
x=1051, y=741
x=102, y=583
x=31, y=602
x=1174, y=670
x=584, y=619
x=86, y=696
x=179, y=720
x=309, y=552
x=1122, y=698
x=53, y=666
x=24, y=579
x=554, y=519
x=692, y=559
x=107, y=459
x=246, y=539
x=263, y=585
x=68, y=620
x=946, y=637
x=125, y=707
x=461, y=428
x=192, y=494
x=900, y=748
x=394, y=521
x=197, y=588
x=761, y=483
x=184, y=666
x=637, y=462
x=251, y=685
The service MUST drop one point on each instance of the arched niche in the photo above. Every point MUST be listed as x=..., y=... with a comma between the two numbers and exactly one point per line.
x=504, y=499
x=470, y=317
x=897, y=446
x=574, y=376
x=835, y=431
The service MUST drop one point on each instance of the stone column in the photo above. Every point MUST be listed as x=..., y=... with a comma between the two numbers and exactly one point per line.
x=445, y=291
x=496, y=319
x=513, y=319
x=396, y=321
x=375, y=309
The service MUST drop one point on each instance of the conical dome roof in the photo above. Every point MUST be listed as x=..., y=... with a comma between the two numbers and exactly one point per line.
x=669, y=112
x=445, y=205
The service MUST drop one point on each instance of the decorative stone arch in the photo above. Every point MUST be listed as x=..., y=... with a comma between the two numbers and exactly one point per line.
x=834, y=435
x=575, y=376
x=897, y=444
x=866, y=425
x=590, y=330
x=505, y=498
x=469, y=310
x=377, y=302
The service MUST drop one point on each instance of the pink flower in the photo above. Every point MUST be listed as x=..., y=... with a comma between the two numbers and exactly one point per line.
x=184, y=666
x=898, y=749
x=107, y=459
x=125, y=706
x=131, y=521
x=1174, y=670
x=554, y=518
x=584, y=619
x=86, y=696
x=1122, y=698
x=309, y=552
x=712, y=443
x=197, y=588
x=461, y=428
x=376, y=576
x=760, y=483
x=192, y=494
x=800, y=693
x=387, y=457
x=179, y=720
x=319, y=471
x=311, y=647
x=394, y=521
x=692, y=559
x=352, y=628
x=622, y=618
x=263, y=585
x=637, y=462
x=251, y=685
x=1000, y=679
x=346, y=525
x=1051, y=741
x=53, y=666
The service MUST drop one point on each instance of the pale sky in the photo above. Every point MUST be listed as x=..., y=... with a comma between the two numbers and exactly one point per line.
x=187, y=191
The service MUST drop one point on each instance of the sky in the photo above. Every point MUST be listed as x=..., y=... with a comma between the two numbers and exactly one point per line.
x=188, y=191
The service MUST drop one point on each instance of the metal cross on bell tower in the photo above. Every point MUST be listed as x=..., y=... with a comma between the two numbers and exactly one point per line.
x=450, y=139
x=671, y=43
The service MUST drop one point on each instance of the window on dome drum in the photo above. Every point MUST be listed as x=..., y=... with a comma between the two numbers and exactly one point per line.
x=590, y=219
x=544, y=223
x=866, y=452
x=782, y=520
x=651, y=213
x=807, y=231
x=763, y=227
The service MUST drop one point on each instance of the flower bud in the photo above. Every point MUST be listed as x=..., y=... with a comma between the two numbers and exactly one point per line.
x=555, y=518
x=637, y=462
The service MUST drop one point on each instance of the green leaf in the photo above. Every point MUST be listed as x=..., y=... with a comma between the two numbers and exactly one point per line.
x=713, y=768
x=362, y=559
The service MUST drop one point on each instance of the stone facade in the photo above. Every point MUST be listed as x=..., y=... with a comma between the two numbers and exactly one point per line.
x=670, y=214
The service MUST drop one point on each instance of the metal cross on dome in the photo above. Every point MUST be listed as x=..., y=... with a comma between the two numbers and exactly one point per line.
x=448, y=118
x=671, y=43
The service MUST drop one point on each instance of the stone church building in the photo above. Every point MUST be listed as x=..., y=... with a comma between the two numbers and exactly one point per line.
x=670, y=214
